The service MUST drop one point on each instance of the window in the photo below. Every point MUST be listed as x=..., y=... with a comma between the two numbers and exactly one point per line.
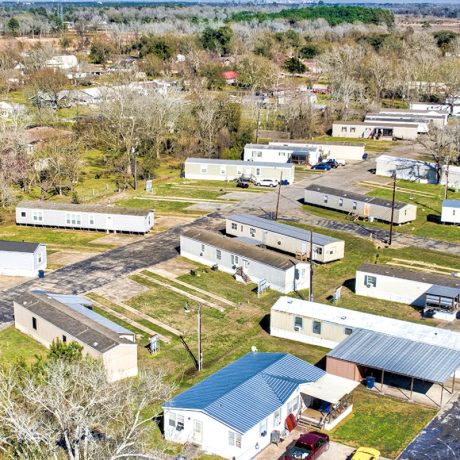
x=39, y=258
x=235, y=260
x=316, y=327
x=263, y=427
x=344, y=129
x=91, y=220
x=453, y=212
x=298, y=322
x=352, y=130
x=257, y=171
x=277, y=417
x=234, y=226
x=234, y=439
x=332, y=251
x=176, y=421
x=293, y=405
x=340, y=201
x=34, y=323
x=219, y=254
x=325, y=198
x=73, y=219
x=370, y=280
x=252, y=232
x=348, y=330
x=37, y=216
x=23, y=214
x=64, y=339
x=319, y=251
x=223, y=171
x=204, y=169
x=239, y=171
x=355, y=205
x=203, y=247
x=259, y=154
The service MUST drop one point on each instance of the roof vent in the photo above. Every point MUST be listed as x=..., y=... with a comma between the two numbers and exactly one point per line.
x=95, y=344
x=343, y=317
x=289, y=301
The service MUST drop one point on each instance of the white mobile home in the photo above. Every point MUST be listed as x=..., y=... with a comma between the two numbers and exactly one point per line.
x=234, y=412
x=385, y=130
x=407, y=169
x=285, y=238
x=211, y=169
x=337, y=150
x=438, y=295
x=84, y=217
x=425, y=117
x=47, y=316
x=450, y=212
x=21, y=259
x=270, y=153
x=429, y=106
x=453, y=176
x=363, y=206
x=245, y=261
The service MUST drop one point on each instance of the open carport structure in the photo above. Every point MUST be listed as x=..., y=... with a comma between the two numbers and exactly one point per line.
x=396, y=359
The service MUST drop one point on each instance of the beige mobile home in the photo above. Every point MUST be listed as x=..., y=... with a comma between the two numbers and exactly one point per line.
x=225, y=170
x=363, y=206
x=47, y=317
x=385, y=130
x=285, y=238
x=245, y=261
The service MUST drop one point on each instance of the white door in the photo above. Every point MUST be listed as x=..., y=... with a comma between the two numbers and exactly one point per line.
x=109, y=222
x=245, y=263
x=197, y=431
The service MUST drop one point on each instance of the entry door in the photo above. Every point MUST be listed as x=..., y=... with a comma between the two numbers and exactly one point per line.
x=197, y=431
x=245, y=263
x=109, y=222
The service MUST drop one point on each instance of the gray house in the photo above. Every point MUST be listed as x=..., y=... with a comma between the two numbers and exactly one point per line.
x=211, y=169
x=245, y=261
x=285, y=238
x=363, y=206
x=82, y=217
x=21, y=259
x=438, y=295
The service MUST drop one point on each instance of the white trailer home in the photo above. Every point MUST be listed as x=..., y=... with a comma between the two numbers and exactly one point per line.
x=385, y=130
x=363, y=206
x=450, y=212
x=211, y=169
x=21, y=259
x=346, y=151
x=437, y=295
x=234, y=412
x=245, y=261
x=425, y=117
x=452, y=175
x=430, y=106
x=47, y=316
x=270, y=153
x=285, y=238
x=84, y=217
x=406, y=169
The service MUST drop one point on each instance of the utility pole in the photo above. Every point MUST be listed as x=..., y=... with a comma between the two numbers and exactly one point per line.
x=258, y=123
x=390, y=239
x=200, y=356
x=134, y=153
x=311, y=267
x=278, y=199
x=446, y=187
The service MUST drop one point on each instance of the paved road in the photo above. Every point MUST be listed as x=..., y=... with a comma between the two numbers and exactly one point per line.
x=101, y=269
x=440, y=439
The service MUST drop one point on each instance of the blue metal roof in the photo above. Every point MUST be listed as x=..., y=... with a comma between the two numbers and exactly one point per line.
x=246, y=391
x=451, y=203
x=398, y=355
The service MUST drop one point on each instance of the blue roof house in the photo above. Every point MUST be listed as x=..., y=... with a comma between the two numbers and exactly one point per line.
x=233, y=412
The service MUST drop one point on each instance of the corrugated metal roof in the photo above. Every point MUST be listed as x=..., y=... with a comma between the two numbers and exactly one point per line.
x=18, y=246
x=290, y=148
x=444, y=291
x=398, y=355
x=246, y=391
x=210, y=161
x=282, y=229
x=451, y=204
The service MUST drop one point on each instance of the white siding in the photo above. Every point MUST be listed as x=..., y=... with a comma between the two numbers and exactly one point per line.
x=23, y=263
x=450, y=215
x=347, y=152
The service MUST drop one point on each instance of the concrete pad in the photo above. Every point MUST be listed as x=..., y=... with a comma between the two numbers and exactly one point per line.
x=121, y=290
x=207, y=207
x=172, y=268
x=62, y=258
x=7, y=282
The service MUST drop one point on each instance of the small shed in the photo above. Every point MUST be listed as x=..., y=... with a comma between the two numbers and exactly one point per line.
x=19, y=258
x=450, y=213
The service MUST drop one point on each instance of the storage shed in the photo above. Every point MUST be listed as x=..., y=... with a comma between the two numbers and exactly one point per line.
x=84, y=217
x=226, y=170
x=18, y=258
x=450, y=212
x=285, y=238
x=410, y=287
x=363, y=206
x=47, y=316
x=245, y=261
x=407, y=169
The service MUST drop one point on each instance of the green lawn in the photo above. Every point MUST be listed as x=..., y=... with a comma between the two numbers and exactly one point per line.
x=16, y=346
x=382, y=422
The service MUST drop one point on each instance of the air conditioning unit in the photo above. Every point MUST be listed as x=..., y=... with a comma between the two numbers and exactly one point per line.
x=296, y=328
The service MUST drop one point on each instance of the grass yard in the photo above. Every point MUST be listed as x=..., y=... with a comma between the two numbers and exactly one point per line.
x=16, y=346
x=371, y=145
x=382, y=422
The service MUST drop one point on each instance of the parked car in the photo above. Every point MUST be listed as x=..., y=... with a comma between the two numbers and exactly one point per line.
x=242, y=184
x=339, y=162
x=309, y=446
x=322, y=167
x=332, y=163
x=267, y=182
x=366, y=453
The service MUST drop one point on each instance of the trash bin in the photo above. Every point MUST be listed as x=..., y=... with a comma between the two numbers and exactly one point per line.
x=370, y=382
x=41, y=274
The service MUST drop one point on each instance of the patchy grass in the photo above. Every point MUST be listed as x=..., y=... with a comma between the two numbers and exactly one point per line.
x=160, y=207
x=16, y=346
x=382, y=422
x=371, y=145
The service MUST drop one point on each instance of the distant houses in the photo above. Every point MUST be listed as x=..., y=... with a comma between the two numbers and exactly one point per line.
x=245, y=261
x=362, y=206
x=438, y=295
x=227, y=170
x=84, y=217
x=234, y=412
x=22, y=259
x=450, y=213
x=47, y=317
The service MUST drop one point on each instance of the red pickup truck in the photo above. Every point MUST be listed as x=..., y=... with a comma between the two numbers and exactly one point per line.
x=309, y=446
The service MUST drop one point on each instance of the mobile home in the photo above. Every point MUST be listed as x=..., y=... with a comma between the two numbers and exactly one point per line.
x=245, y=261
x=406, y=169
x=450, y=212
x=285, y=238
x=270, y=153
x=363, y=206
x=385, y=130
x=21, y=259
x=84, y=217
x=227, y=170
